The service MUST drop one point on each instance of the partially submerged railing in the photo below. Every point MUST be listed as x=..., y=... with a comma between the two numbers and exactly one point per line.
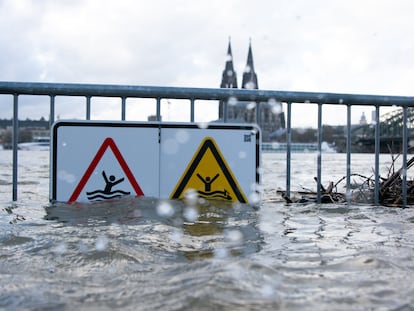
x=259, y=96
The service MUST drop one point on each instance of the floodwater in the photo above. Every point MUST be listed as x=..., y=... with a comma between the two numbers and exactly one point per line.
x=146, y=254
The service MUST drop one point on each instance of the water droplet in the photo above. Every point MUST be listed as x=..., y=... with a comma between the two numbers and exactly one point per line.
x=234, y=237
x=277, y=109
x=348, y=195
x=191, y=197
x=221, y=252
x=237, y=206
x=260, y=170
x=251, y=106
x=190, y=214
x=301, y=130
x=254, y=198
x=101, y=243
x=182, y=136
x=229, y=73
x=66, y=176
x=82, y=248
x=170, y=146
x=275, y=145
x=341, y=101
x=247, y=69
x=242, y=154
x=203, y=125
x=232, y=101
x=250, y=85
x=60, y=249
x=176, y=235
x=272, y=102
x=256, y=187
x=165, y=209
x=267, y=291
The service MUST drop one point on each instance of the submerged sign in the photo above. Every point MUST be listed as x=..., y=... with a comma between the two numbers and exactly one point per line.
x=207, y=161
x=95, y=161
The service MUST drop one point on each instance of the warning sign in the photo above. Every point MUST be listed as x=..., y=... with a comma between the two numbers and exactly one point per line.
x=102, y=160
x=107, y=191
x=94, y=161
x=209, y=174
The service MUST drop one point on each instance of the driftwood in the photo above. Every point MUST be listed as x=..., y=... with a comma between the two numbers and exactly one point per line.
x=390, y=190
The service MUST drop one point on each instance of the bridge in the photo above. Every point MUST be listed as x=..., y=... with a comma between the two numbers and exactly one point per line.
x=390, y=132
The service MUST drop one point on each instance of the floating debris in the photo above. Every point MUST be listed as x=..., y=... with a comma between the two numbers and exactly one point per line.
x=390, y=190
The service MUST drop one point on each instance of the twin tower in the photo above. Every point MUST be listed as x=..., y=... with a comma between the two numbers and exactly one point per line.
x=271, y=120
x=229, y=78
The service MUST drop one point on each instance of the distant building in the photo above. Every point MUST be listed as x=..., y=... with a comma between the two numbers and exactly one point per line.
x=373, y=117
x=152, y=118
x=271, y=116
x=363, y=120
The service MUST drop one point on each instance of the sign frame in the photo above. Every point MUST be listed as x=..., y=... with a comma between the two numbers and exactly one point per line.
x=214, y=130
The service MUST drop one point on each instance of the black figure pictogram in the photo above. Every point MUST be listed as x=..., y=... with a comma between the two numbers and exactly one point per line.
x=107, y=193
x=207, y=193
x=207, y=181
x=110, y=182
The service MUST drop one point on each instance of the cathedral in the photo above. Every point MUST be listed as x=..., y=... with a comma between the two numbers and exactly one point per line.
x=271, y=117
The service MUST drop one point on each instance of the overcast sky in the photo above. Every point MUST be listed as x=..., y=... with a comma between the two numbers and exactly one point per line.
x=352, y=46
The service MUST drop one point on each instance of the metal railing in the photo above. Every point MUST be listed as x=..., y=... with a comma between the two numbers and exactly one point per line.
x=259, y=96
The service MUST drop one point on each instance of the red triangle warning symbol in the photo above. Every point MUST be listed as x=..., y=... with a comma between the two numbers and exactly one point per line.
x=108, y=143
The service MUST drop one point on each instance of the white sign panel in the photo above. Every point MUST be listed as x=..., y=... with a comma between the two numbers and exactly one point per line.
x=95, y=161
x=220, y=162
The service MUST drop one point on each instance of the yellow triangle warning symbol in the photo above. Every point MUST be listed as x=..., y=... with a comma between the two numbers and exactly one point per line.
x=209, y=174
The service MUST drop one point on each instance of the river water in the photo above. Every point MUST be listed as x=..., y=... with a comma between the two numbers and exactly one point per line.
x=146, y=254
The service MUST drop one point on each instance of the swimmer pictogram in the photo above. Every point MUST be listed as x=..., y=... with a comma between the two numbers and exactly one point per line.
x=107, y=193
x=110, y=182
x=209, y=174
x=208, y=193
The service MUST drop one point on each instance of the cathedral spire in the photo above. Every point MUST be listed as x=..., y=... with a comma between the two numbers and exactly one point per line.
x=229, y=78
x=249, y=75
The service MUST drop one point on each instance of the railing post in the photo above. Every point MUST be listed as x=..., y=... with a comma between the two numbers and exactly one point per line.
x=405, y=150
x=158, y=109
x=348, y=153
x=123, y=108
x=52, y=111
x=288, y=147
x=225, y=109
x=319, y=154
x=258, y=116
x=88, y=107
x=192, y=110
x=15, y=142
x=377, y=152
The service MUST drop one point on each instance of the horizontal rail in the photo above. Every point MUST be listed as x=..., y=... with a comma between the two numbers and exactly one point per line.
x=110, y=90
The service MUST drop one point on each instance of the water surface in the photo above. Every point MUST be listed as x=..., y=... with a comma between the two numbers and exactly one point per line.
x=147, y=254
